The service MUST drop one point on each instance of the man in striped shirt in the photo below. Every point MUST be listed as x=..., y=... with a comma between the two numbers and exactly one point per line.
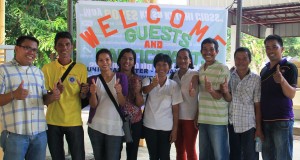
x=213, y=109
x=23, y=96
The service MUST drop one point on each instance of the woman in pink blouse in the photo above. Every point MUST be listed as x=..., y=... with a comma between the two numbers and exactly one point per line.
x=134, y=100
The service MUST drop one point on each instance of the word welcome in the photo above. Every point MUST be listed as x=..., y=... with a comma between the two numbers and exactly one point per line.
x=177, y=20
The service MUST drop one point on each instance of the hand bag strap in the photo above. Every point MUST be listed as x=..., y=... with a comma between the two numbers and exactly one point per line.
x=63, y=77
x=112, y=98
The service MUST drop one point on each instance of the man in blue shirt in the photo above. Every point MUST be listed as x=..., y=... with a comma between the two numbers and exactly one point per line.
x=278, y=88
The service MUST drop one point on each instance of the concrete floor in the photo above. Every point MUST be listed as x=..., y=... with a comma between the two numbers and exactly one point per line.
x=143, y=152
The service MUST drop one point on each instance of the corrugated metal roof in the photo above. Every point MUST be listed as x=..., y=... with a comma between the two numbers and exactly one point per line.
x=246, y=3
x=258, y=15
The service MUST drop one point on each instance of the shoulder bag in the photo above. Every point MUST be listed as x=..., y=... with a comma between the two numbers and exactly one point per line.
x=126, y=121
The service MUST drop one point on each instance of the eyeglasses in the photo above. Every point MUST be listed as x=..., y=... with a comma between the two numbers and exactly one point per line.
x=34, y=50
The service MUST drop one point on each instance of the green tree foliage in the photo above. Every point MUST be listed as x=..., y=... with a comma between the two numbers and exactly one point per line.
x=291, y=46
x=256, y=46
x=39, y=18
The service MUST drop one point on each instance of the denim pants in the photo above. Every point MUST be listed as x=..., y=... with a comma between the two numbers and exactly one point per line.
x=158, y=143
x=213, y=142
x=105, y=147
x=20, y=147
x=278, y=143
x=75, y=138
x=242, y=145
x=186, y=140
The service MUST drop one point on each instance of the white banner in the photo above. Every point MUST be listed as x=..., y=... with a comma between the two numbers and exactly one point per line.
x=148, y=29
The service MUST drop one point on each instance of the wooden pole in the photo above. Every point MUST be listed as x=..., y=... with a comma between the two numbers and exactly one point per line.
x=2, y=41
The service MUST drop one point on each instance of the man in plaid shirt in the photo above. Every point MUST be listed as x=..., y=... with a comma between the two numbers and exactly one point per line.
x=23, y=95
x=243, y=91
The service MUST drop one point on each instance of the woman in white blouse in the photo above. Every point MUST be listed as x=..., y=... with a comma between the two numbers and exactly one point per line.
x=104, y=123
x=188, y=109
x=161, y=109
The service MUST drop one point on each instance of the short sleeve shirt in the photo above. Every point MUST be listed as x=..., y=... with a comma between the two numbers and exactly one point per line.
x=158, y=110
x=245, y=92
x=213, y=111
x=67, y=111
x=274, y=104
x=25, y=117
x=188, y=108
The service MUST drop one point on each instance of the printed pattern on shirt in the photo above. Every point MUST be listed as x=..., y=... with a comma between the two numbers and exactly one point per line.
x=130, y=109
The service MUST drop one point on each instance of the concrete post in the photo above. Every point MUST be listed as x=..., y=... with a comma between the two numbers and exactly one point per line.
x=269, y=31
x=233, y=44
x=238, y=23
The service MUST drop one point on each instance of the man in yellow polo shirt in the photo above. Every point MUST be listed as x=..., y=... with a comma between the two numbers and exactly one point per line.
x=64, y=116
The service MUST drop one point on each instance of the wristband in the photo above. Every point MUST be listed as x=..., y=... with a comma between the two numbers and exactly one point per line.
x=49, y=92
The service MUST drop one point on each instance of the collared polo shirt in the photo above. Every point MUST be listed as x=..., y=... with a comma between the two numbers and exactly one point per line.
x=158, y=110
x=213, y=111
x=25, y=117
x=274, y=104
x=245, y=92
x=67, y=111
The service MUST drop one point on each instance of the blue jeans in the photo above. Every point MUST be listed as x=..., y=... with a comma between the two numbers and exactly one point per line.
x=213, y=142
x=278, y=143
x=105, y=147
x=242, y=145
x=20, y=147
x=158, y=143
x=75, y=138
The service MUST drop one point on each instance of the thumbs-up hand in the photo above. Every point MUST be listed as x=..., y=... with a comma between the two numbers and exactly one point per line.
x=278, y=78
x=192, y=90
x=93, y=87
x=55, y=93
x=60, y=86
x=84, y=87
x=224, y=86
x=208, y=85
x=20, y=93
x=137, y=86
x=155, y=80
x=118, y=86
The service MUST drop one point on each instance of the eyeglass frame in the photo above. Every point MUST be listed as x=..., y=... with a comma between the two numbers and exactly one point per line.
x=27, y=48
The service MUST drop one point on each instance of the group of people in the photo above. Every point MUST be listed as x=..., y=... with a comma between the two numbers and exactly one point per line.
x=25, y=89
x=228, y=108
x=260, y=107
